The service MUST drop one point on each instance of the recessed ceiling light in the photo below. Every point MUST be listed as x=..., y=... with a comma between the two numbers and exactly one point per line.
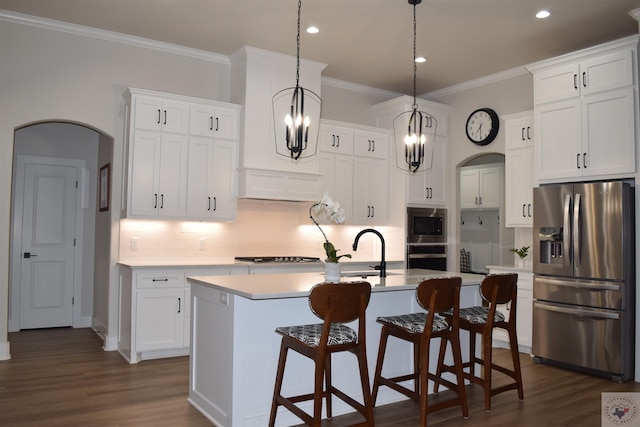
x=421, y=59
x=543, y=14
x=313, y=30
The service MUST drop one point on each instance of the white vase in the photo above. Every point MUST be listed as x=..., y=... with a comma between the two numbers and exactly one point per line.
x=521, y=263
x=332, y=272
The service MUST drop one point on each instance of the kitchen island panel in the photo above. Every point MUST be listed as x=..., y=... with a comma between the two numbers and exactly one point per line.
x=235, y=351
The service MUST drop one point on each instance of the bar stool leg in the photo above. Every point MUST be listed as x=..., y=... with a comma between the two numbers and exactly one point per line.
x=327, y=374
x=515, y=354
x=278, y=387
x=384, y=335
x=318, y=391
x=361, y=354
x=488, y=360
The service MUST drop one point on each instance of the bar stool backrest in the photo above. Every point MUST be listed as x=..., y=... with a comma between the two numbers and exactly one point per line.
x=441, y=292
x=343, y=302
x=499, y=288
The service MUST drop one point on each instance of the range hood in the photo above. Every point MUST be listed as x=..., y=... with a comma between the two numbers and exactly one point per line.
x=256, y=75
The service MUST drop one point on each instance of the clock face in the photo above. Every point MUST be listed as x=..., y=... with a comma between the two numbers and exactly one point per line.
x=482, y=126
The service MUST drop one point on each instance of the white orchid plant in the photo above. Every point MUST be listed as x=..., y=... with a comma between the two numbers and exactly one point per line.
x=330, y=209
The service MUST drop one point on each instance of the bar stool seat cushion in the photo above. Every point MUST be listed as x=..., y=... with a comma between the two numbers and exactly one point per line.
x=414, y=322
x=310, y=334
x=477, y=315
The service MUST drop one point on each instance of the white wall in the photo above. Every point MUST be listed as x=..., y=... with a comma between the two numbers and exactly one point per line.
x=55, y=75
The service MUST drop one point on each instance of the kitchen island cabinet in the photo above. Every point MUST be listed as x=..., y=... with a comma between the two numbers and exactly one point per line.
x=234, y=347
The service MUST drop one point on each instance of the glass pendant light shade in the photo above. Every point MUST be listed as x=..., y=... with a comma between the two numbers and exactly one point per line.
x=296, y=115
x=296, y=119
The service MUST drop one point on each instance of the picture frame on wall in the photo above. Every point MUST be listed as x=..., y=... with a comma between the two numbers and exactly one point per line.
x=104, y=189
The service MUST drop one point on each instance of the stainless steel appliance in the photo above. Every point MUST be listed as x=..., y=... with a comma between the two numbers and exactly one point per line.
x=426, y=225
x=430, y=257
x=584, y=282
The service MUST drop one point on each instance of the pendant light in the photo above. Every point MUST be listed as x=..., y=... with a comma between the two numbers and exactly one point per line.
x=296, y=115
x=414, y=130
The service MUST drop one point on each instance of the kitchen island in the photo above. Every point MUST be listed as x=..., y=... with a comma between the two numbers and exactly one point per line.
x=234, y=347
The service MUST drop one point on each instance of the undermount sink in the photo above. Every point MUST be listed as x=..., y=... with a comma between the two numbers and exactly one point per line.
x=364, y=274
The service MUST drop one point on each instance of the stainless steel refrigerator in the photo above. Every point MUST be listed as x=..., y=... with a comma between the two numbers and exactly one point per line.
x=584, y=277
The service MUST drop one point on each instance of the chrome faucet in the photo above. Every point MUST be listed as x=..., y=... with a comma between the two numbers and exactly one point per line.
x=383, y=265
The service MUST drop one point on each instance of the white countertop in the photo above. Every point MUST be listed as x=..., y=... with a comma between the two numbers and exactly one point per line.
x=220, y=262
x=275, y=286
x=514, y=268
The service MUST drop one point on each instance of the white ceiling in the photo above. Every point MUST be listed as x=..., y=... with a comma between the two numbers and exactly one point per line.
x=368, y=42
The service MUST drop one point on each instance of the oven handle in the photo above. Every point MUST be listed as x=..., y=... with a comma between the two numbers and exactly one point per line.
x=577, y=311
x=422, y=256
x=595, y=286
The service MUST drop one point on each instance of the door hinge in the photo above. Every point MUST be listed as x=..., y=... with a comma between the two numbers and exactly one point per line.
x=76, y=183
x=73, y=300
x=74, y=242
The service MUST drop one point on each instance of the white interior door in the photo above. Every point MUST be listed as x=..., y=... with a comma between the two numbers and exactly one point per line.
x=47, y=250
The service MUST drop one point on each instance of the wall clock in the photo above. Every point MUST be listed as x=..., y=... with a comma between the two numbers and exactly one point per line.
x=482, y=126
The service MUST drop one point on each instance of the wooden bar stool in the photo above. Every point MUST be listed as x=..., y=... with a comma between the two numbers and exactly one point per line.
x=496, y=289
x=335, y=304
x=435, y=295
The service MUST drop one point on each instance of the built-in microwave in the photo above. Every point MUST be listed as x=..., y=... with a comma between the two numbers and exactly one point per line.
x=426, y=225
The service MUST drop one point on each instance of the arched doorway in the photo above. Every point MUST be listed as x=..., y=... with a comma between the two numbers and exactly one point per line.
x=42, y=151
x=482, y=234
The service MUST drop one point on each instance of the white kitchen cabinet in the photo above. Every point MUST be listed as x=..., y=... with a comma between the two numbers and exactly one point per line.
x=481, y=187
x=337, y=179
x=160, y=114
x=370, y=191
x=160, y=319
x=155, y=309
x=519, y=174
x=336, y=139
x=157, y=180
x=187, y=169
x=524, y=312
x=370, y=178
x=585, y=113
x=213, y=121
x=429, y=187
x=211, y=179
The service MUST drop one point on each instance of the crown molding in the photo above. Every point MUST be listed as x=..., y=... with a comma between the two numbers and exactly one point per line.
x=472, y=84
x=112, y=36
x=355, y=87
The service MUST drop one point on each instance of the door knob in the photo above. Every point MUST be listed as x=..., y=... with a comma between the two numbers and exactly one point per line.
x=29, y=255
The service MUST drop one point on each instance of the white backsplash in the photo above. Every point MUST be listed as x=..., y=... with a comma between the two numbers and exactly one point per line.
x=262, y=228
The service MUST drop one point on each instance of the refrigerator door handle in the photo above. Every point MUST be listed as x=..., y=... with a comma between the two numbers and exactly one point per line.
x=577, y=258
x=566, y=230
x=577, y=311
x=590, y=285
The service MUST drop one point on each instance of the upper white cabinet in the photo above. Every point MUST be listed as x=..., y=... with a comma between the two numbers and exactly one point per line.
x=156, y=113
x=519, y=178
x=213, y=121
x=585, y=113
x=256, y=76
x=481, y=187
x=183, y=167
x=355, y=170
x=429, y=187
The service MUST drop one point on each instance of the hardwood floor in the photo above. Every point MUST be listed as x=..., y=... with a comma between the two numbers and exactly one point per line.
x=62, y=377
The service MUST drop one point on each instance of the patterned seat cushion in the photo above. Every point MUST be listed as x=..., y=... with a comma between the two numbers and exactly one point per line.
x=310, y=334
x=477, y=315
x=414, y=322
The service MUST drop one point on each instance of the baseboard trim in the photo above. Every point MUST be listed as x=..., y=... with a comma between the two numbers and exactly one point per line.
x=4, y=351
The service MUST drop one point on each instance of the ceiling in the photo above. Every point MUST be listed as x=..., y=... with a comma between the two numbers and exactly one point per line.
x=368, y=42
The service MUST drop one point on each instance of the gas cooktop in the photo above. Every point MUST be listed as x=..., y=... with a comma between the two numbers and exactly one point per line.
x=270, y=259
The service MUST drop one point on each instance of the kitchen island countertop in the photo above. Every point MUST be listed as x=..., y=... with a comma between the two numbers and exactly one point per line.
x=292, y=285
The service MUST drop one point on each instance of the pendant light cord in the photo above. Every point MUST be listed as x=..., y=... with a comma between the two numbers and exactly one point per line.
x=415, y=66
x=298, y=46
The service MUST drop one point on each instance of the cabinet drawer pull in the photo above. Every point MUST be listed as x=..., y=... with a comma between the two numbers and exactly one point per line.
x=160, y=280
x=524, y=215
x=528, y=132
x=215, y=204
x=209, y=203
x=373, y=211
x=523, y=138
x=584, y=79
x=165, y=117
x=575, y=81
x=155, y=200
x=578, y=160
x=529, y=210
x=162, y=201
x=211, y=122
x=179, y=305
x=217, y=124
x=159, y=116
x=584, y=160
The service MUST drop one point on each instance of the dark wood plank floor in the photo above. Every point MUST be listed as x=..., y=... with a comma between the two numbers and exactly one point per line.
x=62, y=377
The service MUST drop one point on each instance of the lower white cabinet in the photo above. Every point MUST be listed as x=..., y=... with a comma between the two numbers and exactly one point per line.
x=155, y=309
x=524, y=312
